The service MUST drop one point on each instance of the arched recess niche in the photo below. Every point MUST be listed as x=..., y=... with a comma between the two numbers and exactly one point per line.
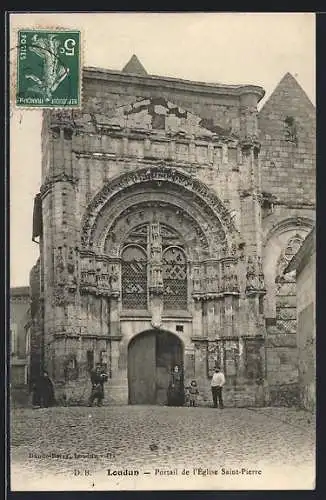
x=277, y=241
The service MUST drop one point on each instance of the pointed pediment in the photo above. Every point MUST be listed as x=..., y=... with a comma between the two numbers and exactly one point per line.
x=289, y=90
x=134, y=66
x=158, y=114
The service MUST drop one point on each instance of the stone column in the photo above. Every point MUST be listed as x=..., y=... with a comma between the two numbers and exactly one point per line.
x=197, y=319
x=250, y=175
x=114, y=267
x=250, y=200
x=228, y=316
x=114, y=358
x=189, y=363
x=156, y=274
x=60, y=244
x=241, y=362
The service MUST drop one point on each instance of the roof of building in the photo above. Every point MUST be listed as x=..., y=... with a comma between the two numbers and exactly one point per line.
x=178, y=84
x=307, y=248
x=134, y=66
x=289, y=87
x=19, y=291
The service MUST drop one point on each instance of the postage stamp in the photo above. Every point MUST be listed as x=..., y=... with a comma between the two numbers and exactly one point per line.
x=48, y=69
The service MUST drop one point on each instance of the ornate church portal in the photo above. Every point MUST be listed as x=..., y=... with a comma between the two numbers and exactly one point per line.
x=160, y=253
x=151, y=244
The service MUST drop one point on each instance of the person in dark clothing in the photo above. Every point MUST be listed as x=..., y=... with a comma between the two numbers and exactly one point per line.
x=193, y=393
x=98, y=377
x=45, y=391
x=35, y=395
x=175, y=393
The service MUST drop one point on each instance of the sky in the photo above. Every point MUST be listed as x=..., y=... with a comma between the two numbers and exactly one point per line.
x=210, y=47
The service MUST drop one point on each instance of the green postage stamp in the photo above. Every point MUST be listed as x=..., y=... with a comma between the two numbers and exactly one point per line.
x=48, y=68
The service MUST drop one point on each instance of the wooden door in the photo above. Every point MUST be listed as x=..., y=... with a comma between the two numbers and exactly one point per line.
x=142, y=369
x=168, y=354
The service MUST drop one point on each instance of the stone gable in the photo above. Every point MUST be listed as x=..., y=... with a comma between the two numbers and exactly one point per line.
x=287, y=125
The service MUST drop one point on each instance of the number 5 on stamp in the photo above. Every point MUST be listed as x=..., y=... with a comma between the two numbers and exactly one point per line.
x=48, y=69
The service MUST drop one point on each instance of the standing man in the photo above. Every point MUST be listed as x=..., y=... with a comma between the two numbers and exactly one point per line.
x=218, y=380
x=98, y=377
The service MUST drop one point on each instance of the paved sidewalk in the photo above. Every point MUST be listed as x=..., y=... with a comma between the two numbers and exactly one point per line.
x=149, y=437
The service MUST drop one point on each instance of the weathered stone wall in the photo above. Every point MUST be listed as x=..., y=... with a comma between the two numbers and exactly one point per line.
x=306, y=304
x=104, y=91
x=19, y=316
x=287, y=124
x=19, y=319
x=36, y=328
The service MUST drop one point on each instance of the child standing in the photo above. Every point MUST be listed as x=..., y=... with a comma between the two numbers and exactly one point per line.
x=193, y=393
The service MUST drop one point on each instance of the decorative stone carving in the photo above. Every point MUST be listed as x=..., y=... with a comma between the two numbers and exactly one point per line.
x=65, y=277
x=99, y=275
x=88, y=281
x=230, y=284
x=196, y=279
x=288, y=252
x=255, y=283
x=200, y=195
x=59, y=266
x=102, y=277
x=211, y=280
x=62, y=118
x=211, y=357
x=155, y=242
x=59, y=295
x=179, y=227
x=114, y=281
x=71, y=268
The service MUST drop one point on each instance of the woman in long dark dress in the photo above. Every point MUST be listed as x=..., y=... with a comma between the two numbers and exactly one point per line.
x=176, y=389
x=46, y=391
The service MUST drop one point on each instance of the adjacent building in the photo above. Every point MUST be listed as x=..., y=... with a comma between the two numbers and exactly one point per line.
x=168, y=212
x=19, y=344
x=304, y=266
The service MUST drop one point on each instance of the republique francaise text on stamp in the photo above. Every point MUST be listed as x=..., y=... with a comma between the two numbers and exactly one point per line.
x=48, y=68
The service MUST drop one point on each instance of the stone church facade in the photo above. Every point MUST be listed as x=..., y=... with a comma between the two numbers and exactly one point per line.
x=167, y=213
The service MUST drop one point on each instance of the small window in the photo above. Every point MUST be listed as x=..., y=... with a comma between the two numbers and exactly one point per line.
x=13, y=338
x=290, y=129
x=261, y=305
x=174, y=279
x=134, y=278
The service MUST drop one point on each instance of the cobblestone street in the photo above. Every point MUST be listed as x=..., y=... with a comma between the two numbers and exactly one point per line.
x=226, y=447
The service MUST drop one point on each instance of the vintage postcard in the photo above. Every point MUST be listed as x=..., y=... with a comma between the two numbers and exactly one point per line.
x=162, y=301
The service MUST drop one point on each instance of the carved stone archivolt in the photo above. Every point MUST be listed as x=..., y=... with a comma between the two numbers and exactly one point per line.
x=189, y=188
x=169, y=216
x=149, y=205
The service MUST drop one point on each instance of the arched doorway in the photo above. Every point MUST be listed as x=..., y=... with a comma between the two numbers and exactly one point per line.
x=151, y=357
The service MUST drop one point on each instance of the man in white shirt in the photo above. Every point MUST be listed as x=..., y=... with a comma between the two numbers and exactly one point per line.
x=218, y=380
